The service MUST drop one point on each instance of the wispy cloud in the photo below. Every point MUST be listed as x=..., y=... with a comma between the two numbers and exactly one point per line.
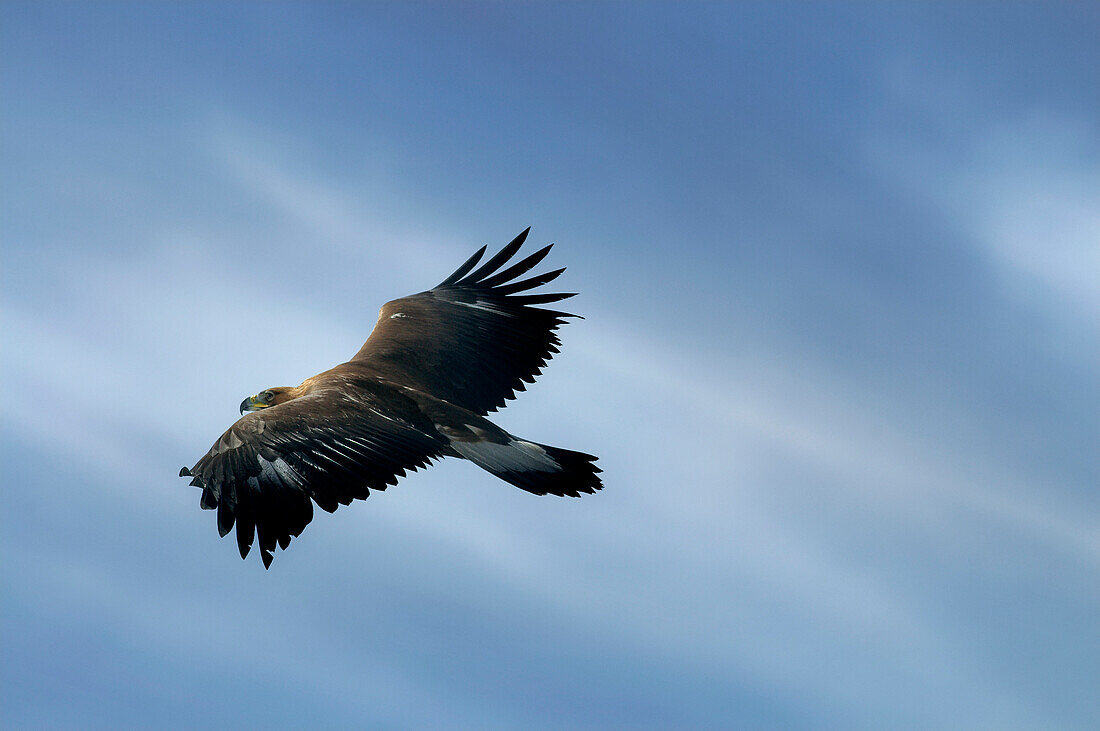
x=835, y=492
x=1023, y=185
x=689, y=511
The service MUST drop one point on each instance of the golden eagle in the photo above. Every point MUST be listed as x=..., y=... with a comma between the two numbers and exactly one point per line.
x=417, y=390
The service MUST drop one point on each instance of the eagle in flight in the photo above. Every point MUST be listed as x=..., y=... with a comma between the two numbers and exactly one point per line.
x=418, y=390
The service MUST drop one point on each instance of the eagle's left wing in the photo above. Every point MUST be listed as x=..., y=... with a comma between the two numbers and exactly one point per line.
x=331, y=447
x=475, y=338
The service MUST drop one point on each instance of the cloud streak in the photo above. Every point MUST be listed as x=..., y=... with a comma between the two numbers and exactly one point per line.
x=847, y=481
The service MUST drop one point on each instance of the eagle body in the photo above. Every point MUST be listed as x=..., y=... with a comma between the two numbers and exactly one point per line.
x=418, y=390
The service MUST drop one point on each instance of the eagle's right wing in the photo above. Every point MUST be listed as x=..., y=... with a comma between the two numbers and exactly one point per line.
x=329, y=447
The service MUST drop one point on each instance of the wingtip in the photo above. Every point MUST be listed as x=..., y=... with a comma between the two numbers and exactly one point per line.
x=469, y=264
x=519, y=240
x=244, y=545
x=185, y=472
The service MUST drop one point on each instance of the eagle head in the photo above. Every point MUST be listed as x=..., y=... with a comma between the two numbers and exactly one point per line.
x=266, y=399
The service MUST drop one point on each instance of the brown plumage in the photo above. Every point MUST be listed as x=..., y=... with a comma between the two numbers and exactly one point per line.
x=418, y=390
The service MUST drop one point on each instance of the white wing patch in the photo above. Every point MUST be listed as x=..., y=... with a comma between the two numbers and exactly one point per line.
x=515, y=456
x=282, y=469
x=485, y=306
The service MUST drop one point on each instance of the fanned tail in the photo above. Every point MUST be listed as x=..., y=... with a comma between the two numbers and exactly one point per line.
x=536, y=468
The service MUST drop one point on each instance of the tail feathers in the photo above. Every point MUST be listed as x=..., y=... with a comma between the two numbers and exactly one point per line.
x=536, y=468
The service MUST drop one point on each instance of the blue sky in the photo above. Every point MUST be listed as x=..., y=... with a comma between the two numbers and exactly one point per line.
x=839, y=271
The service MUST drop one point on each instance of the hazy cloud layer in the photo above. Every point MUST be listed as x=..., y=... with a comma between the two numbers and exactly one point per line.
x=839, y=362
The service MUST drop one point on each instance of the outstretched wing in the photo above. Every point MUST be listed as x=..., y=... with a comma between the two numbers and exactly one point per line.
x=331, y=447
x=472, y=340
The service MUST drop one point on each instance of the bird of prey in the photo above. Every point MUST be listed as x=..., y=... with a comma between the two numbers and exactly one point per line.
x=418, y=390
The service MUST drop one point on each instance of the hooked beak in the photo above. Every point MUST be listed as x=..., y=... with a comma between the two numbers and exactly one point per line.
x=250, y=404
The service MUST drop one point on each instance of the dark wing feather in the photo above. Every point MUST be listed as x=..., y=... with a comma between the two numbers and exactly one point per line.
x=329, y=447
x=471, y=340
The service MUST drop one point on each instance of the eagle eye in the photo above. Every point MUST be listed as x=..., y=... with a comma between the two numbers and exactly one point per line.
x=267, y=397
